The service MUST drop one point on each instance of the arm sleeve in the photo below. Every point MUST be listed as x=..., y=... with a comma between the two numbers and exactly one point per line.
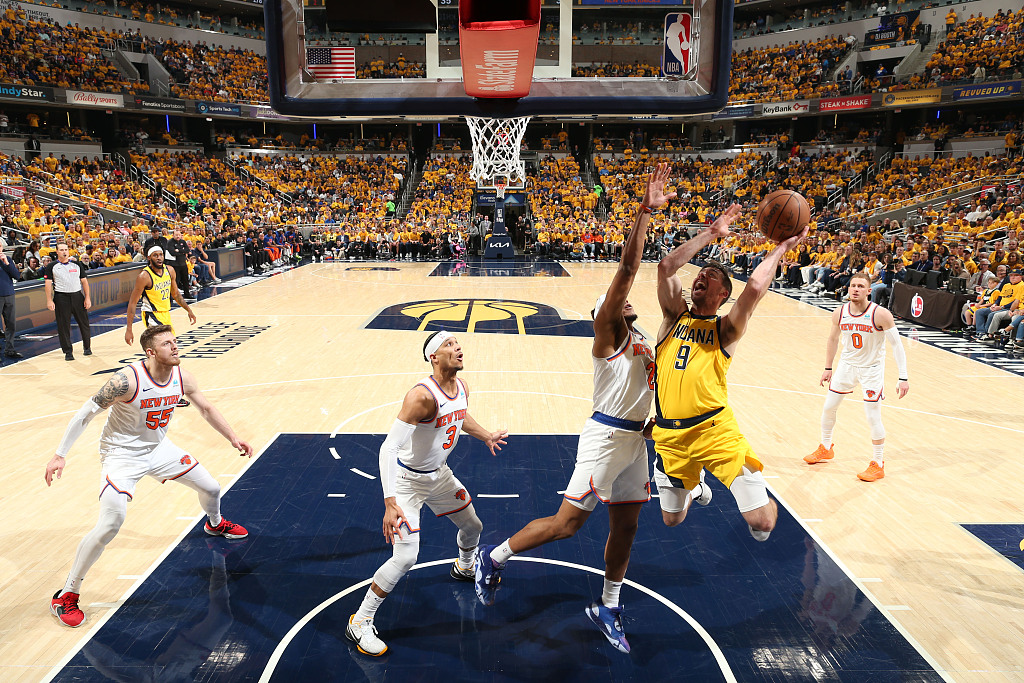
x=398, y=437
x=897, y=351
x=77, y=425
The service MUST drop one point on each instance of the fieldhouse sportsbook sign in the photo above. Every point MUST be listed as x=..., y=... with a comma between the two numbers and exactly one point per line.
x=94, y=99
x=159, y=104
x=843, y=103
x=26, y=92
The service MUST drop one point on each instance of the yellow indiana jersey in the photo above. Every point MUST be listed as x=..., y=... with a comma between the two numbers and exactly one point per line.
x=157, y=297
x=691, y=368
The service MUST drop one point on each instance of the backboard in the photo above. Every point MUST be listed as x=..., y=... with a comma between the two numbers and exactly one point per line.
x=683, y=48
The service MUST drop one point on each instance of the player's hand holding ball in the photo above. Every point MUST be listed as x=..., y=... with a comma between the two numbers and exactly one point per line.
x=782, y=215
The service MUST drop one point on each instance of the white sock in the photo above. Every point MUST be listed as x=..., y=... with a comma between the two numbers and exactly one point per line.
x=826, y=438
x=877, y=449
x=369, y=606
x=72, y=586
x=466, y=557
x=759, y=535
x=610, y=596
x=215, y=520
x=501, y=554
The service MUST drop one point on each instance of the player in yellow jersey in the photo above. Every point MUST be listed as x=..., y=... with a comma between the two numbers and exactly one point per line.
x=156, y=286
x=695, y=428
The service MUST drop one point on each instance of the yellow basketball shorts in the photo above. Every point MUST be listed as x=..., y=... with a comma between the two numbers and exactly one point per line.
x=716, y=445
x=154, y=318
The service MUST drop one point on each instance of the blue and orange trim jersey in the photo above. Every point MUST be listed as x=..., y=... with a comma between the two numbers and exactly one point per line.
x=138, y=425
x=691, y=368
x=433, y=439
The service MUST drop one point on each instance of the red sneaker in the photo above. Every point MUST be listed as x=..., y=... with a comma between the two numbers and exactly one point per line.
x=227, y=529
x=65, y=608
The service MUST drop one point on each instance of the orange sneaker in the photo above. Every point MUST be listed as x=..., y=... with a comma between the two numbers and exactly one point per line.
x=874, y=472
x=820, y=455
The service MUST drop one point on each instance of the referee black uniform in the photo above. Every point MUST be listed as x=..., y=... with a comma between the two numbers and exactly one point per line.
x=68, y=290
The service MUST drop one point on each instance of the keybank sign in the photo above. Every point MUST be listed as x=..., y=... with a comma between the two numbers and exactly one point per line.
x=26, y=92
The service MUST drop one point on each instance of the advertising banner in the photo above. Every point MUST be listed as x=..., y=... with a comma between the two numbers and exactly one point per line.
x=844, y=103
x=30, y=93
x=16, y=191
x=977, y=92
x=159, y=104
x=907, y=97
x=786, y=108
x=739, y=112
x=219, y=108
x=95, y=99
x=259, y=112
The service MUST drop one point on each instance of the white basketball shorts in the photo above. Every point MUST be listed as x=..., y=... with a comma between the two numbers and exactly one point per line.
x=165, y=462
x=611, y=466
x=871, y=379
x=439, y=490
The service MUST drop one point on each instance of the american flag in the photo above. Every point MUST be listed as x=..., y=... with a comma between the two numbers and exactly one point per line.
x=331, y=62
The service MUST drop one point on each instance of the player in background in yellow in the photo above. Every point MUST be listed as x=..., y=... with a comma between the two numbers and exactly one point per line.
x=695, y=428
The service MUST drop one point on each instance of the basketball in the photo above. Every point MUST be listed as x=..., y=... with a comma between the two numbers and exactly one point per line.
x=782, y=214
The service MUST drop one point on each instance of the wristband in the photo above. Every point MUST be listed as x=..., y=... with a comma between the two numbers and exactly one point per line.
x=828, y=368
x=644, y=208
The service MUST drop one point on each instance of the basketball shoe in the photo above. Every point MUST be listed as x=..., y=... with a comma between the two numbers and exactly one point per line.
x=705, y=494
x=609, y=621
x=487, y=575
x=460, y=574
x=364, y=635
x=820, y=455
x=228, y=530
x=874, y=472
x=65, y=608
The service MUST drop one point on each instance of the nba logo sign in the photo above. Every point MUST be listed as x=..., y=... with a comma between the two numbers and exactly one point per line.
x=680, y=46
x=917, y=306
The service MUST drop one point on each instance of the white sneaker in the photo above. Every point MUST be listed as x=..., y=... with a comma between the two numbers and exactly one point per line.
x=705, y=495
x=364, y=635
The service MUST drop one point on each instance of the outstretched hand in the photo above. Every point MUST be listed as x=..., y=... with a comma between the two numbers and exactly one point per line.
x=788, y=244
x=655, y=197
x=720, y=228
x=495, y=440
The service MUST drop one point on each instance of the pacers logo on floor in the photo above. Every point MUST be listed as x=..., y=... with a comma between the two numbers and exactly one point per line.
x=480, y=315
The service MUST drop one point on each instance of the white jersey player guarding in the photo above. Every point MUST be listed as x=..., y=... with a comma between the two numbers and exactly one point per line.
x=414, y=472
x=611, y=458
x=863, y=328
x=134, y=444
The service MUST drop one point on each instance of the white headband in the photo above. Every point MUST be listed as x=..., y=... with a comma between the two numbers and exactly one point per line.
x=435, y=343
x=153, y=248
x=598, y=304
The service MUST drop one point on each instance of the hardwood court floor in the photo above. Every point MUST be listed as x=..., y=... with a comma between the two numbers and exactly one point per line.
x=298, y=357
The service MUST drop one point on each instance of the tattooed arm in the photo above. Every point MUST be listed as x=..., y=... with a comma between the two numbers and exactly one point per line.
x=118, y=388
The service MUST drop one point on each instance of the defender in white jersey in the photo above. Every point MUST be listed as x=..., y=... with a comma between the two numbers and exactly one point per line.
x=863, y=327
x=414, y=472
x=611, y=459
x=134, y=444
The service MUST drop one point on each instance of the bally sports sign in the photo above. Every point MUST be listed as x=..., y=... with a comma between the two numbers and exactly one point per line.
x=786, y=108
x=94, y=99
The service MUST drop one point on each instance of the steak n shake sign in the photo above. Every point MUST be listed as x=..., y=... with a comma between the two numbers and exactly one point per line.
x=95, y=99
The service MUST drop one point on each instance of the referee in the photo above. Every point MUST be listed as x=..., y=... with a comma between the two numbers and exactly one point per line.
x=67, y=294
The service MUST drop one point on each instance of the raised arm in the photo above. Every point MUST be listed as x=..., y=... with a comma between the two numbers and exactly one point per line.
x=121, y=386
x=734, y=324
x=670, y=287
x=609, y=325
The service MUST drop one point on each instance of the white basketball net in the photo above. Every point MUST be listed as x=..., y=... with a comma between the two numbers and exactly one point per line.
x=496, y=145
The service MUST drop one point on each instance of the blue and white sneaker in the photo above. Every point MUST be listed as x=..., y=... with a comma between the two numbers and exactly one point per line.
x=488, y=576
x=609, y=620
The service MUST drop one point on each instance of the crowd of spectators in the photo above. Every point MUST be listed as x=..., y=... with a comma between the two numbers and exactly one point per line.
x=979, y=49
x=797, y=70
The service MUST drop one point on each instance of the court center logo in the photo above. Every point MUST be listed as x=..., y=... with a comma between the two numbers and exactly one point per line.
x=488, y=316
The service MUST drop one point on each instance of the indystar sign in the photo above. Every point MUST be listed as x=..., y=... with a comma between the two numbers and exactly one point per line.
x=786, y=108
x=25, y=92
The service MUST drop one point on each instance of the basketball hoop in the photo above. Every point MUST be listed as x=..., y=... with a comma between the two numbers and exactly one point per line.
x=496, y=147
x=499, y=189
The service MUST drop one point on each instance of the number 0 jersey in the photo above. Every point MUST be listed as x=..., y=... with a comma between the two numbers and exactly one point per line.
x=691, y=368
x=623, y=382
x=137, y=426
x=863, y=341
x=434, y=439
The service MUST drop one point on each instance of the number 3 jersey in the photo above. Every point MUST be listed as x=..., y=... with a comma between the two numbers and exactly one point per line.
x=435, y=438
x=137, y=426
